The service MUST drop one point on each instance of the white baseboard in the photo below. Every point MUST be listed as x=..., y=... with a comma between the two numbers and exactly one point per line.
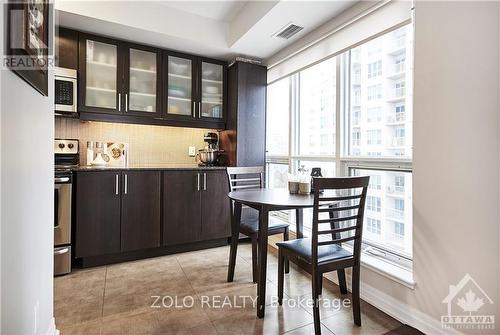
x=402, y=312
x=52, y=328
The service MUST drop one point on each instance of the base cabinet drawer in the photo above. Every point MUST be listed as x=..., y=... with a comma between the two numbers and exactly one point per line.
x=62, y=260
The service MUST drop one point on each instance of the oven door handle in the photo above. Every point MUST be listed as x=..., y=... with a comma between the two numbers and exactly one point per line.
x=60, y=251
x=61, y=180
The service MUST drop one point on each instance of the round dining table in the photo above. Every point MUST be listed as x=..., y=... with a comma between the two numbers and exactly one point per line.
x=264, y=200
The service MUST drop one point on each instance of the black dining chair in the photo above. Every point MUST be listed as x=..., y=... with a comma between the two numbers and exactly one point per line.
x=343, y=200
x=244, y=178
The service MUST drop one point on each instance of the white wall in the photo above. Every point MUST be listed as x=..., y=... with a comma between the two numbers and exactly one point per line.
x=455, y=159
x=26, y=128
x=456, y=148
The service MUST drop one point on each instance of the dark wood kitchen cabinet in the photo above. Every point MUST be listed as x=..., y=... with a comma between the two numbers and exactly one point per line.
x=118, y=77
x=194, y=89
x=181, y=204
x=215, y=206
x=120, y=81
x=66, y=48
x=100, y=73
x=116, y=211
x=97, y=213
x=131, y=214
x=195, y=206
x=180, y=86
x=140, y=210
x=245, y=134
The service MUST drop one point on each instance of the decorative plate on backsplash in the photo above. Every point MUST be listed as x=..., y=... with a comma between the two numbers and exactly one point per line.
x=117, y=153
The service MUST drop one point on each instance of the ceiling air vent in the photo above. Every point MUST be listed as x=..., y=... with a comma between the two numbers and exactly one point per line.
x=288, y=31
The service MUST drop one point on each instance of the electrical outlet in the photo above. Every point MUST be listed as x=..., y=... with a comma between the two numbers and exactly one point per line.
x=192, y=151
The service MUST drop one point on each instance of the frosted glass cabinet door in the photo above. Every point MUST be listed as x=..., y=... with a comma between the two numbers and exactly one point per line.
x=212, y=90
x=180, y=86
x=142, y=82
x=101, y=75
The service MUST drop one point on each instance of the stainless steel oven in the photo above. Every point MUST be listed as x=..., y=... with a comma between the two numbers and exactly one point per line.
x=66, y=158
x=62, y=223
x=65, y=90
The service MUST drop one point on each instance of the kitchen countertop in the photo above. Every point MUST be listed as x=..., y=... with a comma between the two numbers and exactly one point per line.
x=150, y=167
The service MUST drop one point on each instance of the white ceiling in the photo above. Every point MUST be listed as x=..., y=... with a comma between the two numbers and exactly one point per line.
x=217, y=10
x=219, y=29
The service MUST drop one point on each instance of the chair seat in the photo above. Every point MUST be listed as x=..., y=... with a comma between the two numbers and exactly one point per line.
x=250, y=223
x=252, y=226
x=302, y=248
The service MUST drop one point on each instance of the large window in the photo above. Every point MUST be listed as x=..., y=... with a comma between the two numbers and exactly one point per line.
x=278, y=107
x=351, y=115
x=316, y=122
x=386, y=202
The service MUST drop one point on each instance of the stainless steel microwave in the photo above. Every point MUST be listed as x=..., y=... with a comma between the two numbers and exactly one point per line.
x=65, y=91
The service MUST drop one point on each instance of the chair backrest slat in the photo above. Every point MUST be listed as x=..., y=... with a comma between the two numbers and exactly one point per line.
x=245, y=177
x=249, y=180
x=340, y=240
x=238, y=187
x=343, y=200
x=349, y=197
x=337, y=209
x=333, y=220
x=337, y=230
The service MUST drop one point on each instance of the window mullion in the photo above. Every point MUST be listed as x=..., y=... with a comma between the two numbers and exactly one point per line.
x=338, y=116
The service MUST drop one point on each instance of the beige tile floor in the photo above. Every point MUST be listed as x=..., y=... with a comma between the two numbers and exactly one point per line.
x=117, y=299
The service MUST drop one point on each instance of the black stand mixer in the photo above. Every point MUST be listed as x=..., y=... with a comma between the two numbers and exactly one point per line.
x=211, y=155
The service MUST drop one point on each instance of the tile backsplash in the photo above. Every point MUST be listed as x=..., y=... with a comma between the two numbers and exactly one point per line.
x=148, y=145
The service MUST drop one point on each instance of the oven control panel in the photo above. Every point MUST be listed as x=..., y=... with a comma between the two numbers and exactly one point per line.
x=65, y=146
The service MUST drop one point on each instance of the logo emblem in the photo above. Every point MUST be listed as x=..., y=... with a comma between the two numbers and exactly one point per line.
x=464, y=303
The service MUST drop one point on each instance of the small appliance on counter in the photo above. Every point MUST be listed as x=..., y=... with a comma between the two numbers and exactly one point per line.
x=113, y=154
x=66, y=158
x=99, y=155
x=211, y=155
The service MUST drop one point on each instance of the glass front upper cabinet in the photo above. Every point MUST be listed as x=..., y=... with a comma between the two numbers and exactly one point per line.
x=180, y=87
x=212, y=90
x=101, y=75
x=143, y=82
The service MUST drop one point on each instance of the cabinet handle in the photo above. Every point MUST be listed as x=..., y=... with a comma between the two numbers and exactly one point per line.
x=198, y=182
x=119, y=102
x=204, y=181
x=126, y=102
x=194, y=109
x=199, y=108
x=116, y=185
x=60, y=251
x=126, y=184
